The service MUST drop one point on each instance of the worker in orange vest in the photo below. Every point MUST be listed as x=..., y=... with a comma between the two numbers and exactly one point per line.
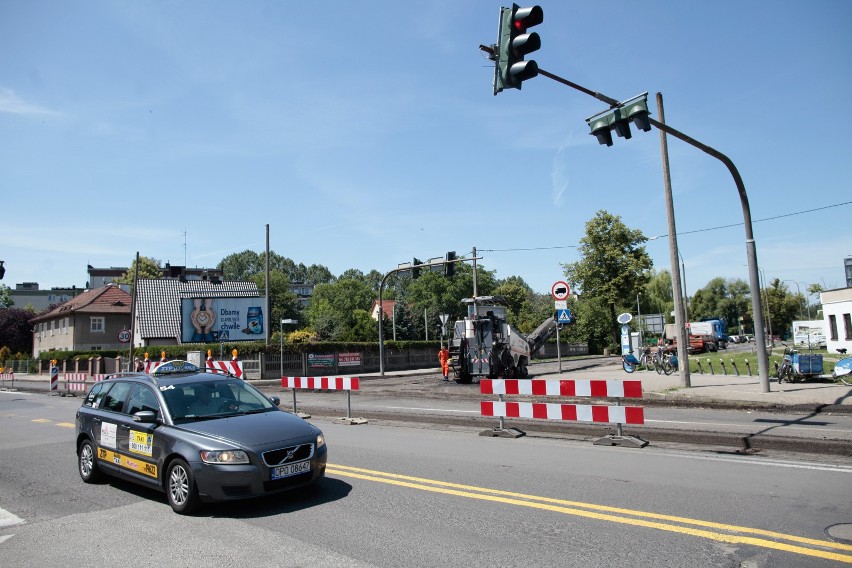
x=444, y=358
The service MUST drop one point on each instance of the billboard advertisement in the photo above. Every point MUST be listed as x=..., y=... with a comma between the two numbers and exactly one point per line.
x=208, y=320
x=809, y=333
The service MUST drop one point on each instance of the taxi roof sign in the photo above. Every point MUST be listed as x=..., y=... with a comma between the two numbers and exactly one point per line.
x=174, y=367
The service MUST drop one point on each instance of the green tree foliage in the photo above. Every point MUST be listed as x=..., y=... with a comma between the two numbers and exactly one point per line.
x=5, y=296
x=614, y=267
x=781, y=307
x=148, y=268
x=527, y=310
x=657, y=297
x=332, y=313
x=15, y=330
x=283, y=303
x=242, y=266
x=720, y=298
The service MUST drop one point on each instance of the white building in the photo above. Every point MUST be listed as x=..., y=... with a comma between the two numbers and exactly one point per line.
x=837, y=313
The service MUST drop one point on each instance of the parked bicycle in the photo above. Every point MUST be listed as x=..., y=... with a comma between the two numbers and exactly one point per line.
x=629, y=362
x=664, y=362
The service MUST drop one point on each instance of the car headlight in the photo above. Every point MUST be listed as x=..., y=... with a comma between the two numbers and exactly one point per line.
x=224, y=457
x=320, y=441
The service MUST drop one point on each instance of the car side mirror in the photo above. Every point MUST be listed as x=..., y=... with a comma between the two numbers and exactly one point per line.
x=145, y=416
x=275, y=400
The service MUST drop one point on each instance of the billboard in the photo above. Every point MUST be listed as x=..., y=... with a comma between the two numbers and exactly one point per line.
x=208, y=320
x=809, y=333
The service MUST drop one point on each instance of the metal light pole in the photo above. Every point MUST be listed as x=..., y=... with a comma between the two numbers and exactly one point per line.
x=799, y=290
x=281, y=340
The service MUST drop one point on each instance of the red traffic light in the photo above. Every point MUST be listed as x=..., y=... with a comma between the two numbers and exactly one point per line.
x=523, y=18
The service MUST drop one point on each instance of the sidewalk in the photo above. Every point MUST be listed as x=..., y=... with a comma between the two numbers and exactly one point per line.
x=727, y=390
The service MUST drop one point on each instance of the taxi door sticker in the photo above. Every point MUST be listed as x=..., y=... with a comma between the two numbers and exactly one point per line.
x=108, y=434
x=141, y=443
x=126, y=462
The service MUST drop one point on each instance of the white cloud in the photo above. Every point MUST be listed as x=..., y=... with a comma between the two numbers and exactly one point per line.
x=10, y=102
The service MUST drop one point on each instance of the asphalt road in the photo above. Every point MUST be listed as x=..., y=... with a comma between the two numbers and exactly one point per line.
x=431, y=496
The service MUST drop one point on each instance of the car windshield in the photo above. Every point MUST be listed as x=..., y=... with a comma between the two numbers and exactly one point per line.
x=213, y=398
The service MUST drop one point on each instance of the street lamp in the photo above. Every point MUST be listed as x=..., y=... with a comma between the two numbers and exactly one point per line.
x=799, y=290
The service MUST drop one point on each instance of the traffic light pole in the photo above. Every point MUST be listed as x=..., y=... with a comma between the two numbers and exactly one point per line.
x=381, y=313
x=751, y=250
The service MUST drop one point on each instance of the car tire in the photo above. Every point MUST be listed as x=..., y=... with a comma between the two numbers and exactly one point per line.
x=87, y=463
x=180, y=488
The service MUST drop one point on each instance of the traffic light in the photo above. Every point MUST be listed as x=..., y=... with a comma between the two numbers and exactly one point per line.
x=450, y=265
x=513, y=44
x=2, y=270
x=633, y=110
x=415, y=268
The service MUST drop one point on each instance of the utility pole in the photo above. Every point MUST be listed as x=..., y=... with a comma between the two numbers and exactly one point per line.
x=680, y=323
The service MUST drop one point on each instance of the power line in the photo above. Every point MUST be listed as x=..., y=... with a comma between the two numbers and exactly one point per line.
x=688, y=232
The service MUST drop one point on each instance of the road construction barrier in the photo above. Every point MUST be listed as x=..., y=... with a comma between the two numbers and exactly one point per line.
x=599, y=413
x=7, y=377
x=347, y=384
x=54, y=378
x=235, y=367
x=75, y=382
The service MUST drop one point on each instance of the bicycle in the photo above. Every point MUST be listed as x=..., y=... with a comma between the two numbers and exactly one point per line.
x=645, y=361
x=664, y=363
x=629, y=362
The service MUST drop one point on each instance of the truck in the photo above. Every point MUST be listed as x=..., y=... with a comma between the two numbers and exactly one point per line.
x=698, y=342
x=714, y=327
x=484, y=344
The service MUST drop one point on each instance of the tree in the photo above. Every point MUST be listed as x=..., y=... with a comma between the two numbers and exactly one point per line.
x=332, y=311
x=283, y=303
x=657, y=297
x=16, y=333
x=614, y=266
x=148, y=268
x=5, y=296
x=781, y=307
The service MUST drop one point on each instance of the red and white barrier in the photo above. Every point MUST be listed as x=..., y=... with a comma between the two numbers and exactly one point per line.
x=598, y=413
x=7, y=377
x=233, y=366
x=75, y=381
x=572, y=412
x=321, y=383
x=347, y=384
x=540, y=387
x=98, y=377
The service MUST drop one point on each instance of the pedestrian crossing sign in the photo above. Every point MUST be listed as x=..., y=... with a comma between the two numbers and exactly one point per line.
x=563, y=316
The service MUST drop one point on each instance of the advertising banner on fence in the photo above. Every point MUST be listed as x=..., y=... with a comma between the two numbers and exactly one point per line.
x=320, y=360
x=349, y=359
x=208, y=320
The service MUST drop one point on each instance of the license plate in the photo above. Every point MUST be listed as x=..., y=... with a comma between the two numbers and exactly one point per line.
x=291, y=469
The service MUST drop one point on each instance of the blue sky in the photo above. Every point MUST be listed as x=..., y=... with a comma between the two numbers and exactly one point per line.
x=366, y=133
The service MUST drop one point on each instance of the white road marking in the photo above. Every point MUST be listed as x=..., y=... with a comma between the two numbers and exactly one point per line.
x=8, y=519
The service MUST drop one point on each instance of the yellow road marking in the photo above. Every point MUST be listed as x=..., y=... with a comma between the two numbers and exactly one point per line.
x=576, y=508
x=66, y=424
x=42, y=420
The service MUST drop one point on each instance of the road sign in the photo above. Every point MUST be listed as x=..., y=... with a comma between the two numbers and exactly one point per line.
x=563, y=316
x=124, y=336
x=560, y=290
x=560, y=305
x=624, y=318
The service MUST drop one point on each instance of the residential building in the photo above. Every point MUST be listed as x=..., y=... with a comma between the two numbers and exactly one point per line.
x=28, y=294
x=90, y=321
x=837, y=314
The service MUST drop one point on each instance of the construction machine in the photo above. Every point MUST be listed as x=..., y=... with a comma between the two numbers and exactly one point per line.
x=484, y=344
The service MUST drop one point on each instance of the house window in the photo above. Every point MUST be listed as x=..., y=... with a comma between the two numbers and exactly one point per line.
x=847, y=323
x=52, y=326
x=832, y=327
x=97, y=324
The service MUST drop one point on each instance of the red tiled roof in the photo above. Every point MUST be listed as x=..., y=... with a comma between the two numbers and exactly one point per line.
x=106, y=300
